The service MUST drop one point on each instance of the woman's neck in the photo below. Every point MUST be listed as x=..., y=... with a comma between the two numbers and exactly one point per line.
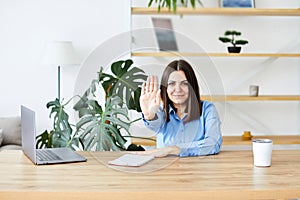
x=180, y=110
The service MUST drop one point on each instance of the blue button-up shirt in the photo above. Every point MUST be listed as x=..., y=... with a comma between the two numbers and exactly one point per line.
x=195, y=138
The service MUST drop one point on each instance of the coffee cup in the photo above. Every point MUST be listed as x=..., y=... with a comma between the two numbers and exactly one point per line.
x=253, y=90
x=262, y=152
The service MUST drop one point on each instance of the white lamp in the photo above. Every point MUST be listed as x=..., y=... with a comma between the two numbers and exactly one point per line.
x=59, y=53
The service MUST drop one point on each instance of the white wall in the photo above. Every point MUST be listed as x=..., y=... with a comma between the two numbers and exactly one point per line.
x=234, y=75
x=27, y=25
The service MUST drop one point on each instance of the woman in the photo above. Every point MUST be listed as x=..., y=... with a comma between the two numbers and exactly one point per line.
x=184, y=125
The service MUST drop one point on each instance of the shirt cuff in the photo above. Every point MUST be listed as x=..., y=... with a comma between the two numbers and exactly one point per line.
x=151, y=123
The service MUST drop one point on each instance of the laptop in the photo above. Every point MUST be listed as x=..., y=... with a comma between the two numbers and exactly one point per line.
x=42, y=156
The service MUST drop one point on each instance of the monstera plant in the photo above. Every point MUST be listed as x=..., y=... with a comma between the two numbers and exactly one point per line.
x=61, y=135
x=100, y=128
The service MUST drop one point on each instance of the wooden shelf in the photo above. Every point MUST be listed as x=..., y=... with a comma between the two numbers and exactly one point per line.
x=277, y=139
x=218, y=11
x=190, y=54
x=235, y=140
x=250, y=98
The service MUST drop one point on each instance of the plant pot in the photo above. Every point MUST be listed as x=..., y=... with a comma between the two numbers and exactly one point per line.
x=234, y=49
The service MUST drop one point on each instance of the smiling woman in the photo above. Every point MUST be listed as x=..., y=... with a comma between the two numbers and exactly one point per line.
x=184, y=124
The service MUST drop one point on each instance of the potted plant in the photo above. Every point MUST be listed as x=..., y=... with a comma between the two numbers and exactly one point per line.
x=61, y=135
x=99, y=127
x=233, y=41
x=172, y=4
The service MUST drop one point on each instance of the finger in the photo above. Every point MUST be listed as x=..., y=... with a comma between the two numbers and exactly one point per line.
x=151, y=86
x=155, y=85
x=143, y=88
x=158, y=97
x=148, y=83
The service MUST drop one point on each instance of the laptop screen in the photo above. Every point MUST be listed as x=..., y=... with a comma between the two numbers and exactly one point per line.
x=28, y=132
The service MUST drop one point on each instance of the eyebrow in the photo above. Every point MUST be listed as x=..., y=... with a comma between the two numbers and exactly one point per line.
x=171, y=81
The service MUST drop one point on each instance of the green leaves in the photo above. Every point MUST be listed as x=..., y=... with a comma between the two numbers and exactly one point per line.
x=101, y=131
x=241, y=42
x=172, y=4
x=224, y=39
x=232, y=33
x=125, y=82
x=44, y=140
x=99, y=128
x=61, y=135
x=232, y=40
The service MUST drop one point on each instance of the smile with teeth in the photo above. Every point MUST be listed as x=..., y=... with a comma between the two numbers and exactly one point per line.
x=178, y=96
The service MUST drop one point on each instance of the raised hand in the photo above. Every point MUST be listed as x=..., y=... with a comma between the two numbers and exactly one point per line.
x=150, y=97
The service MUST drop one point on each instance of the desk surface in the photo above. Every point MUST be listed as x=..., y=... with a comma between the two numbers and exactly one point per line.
x=234, y=140
x=227, y=175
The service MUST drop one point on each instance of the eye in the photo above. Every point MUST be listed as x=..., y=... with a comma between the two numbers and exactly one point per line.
x=185, y=83
x=171, y=84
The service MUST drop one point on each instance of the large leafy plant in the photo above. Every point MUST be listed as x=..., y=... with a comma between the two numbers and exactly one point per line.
x=101, y=128
x=61, y=135
x=125, y=82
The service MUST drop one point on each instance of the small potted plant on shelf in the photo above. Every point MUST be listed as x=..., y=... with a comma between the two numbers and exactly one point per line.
x=233, y=41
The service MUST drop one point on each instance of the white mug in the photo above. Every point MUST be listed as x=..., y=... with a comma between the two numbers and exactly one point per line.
x=1, y=137
x=262, y=152
x=253, y=90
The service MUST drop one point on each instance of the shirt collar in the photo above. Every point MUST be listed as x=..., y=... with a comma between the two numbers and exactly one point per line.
x=172, y=112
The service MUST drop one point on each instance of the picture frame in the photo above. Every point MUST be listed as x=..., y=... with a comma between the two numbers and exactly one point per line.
x=237, y=3
x=164, y=34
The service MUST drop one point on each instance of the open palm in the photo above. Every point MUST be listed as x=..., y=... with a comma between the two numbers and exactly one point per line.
x=150, y=97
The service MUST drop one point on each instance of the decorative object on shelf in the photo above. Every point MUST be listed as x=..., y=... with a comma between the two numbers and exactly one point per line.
x=253, y=90
x=237, y=3
x=60, y=53
x=247, y=136
x=233, y=41
x=164, y=34
x=99, y=128
x=173, y=4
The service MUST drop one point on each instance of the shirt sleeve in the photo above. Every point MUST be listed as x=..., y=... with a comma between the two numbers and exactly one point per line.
x=212, y=142
x=157, y=123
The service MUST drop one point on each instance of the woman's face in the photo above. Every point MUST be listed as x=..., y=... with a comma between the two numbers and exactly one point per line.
x=178, y=88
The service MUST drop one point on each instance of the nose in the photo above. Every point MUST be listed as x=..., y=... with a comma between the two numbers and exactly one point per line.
x=178, y=87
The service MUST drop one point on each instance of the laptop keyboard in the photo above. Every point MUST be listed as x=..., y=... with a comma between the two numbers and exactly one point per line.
x=46, y=155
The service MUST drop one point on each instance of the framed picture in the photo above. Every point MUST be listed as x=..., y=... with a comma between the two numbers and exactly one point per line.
x=237, y=3
x=164, y=34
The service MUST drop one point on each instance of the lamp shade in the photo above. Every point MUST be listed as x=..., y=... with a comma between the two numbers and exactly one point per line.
x=60, y=53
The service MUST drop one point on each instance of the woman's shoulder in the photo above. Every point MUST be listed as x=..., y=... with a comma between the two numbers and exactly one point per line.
x=207, y=106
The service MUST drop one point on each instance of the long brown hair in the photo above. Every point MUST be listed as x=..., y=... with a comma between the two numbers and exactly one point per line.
x=194, y=106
